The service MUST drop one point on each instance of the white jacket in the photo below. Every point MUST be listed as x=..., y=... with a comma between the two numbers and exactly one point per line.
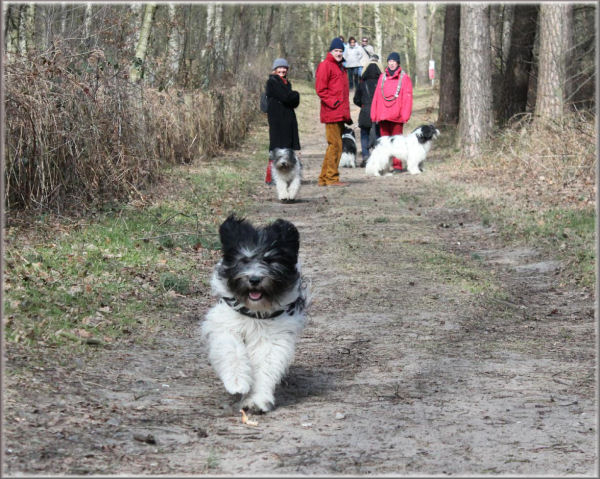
x=353, y=56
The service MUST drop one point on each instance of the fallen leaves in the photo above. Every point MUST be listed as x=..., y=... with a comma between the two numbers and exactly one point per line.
x=246, y=420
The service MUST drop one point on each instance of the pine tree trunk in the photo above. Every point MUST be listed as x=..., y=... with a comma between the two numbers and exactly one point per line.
x=475, y=123
x=508, y=15
x=360, y=22
x=450, y=68
x=518, y=65
x=13, y=20
x=135, y=72
x=311, y=42
x=422, y=47
x=551, y=72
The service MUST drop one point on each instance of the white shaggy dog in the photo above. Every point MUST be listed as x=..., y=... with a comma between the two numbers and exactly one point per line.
x=411, y=149
x=287, y=173
x=348, y=158
x=252, y=331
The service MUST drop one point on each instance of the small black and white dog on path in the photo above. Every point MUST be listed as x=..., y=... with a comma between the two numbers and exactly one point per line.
x=411, y=149
x=252, y=331
x=348, y=159
x=287, y=173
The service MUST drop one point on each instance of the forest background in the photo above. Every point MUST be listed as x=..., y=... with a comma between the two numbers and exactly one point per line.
x=100, y=97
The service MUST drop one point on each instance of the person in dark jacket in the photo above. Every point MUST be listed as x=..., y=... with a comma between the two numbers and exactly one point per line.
x=363, y=98
x=283, y=126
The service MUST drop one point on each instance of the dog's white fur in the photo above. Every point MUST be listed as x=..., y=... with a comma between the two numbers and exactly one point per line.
x=348, y=159
x=287, y=173
x=405, y=147
x=249, y=355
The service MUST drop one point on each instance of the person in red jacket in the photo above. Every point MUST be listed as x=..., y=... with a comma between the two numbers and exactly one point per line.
x=392, y=102
x=332, y=88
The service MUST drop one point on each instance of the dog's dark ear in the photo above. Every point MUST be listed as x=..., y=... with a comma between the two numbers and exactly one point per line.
x=287, y=236
x=233, y=230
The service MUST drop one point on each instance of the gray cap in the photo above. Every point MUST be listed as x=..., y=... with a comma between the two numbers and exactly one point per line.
x=280, y=62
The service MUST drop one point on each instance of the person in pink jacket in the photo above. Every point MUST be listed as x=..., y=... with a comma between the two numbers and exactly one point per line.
x=331, y=85
x=392, y=101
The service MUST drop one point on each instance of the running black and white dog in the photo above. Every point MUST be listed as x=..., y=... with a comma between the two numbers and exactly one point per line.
x=411, y=149
x=251, y=332
x=348, y=159
x=287, y=173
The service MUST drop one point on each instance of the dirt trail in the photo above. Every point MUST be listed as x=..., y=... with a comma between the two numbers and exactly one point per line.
x=409, y=364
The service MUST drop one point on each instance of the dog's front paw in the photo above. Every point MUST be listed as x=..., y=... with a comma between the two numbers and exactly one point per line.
x=237, y=384
x=255, y=404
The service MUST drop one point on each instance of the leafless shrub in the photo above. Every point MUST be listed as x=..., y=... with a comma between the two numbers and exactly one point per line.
x=78, y=133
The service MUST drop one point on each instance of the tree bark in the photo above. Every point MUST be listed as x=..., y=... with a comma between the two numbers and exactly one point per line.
x=13, y=21
x=551, y=74
x=173, y=45
x=87, y=22
x=518, y=65
x=27, y=28
x=450, y=68
x=378, y=33
x=135, y=72
x=422, y=47
x=475, y=125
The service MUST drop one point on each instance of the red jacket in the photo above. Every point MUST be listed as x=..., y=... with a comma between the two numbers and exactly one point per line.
x=332, y=87
x=397, y=110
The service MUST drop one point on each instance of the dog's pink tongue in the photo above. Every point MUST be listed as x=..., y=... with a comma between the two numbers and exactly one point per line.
x=255, y=295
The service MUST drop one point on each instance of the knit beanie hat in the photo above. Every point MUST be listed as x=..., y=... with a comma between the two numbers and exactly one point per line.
x=394, y=56
x=280, y=62
x=336, y=43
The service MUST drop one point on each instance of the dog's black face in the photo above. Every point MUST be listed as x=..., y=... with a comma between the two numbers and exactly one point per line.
x=259, y=264
x=284, y=159
x=348, y=131
x=425, y=133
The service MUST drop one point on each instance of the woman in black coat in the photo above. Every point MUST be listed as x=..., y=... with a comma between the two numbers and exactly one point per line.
x=283, y=127
x=363, y=98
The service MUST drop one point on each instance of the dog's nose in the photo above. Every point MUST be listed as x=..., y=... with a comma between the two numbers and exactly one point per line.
x=254, y=280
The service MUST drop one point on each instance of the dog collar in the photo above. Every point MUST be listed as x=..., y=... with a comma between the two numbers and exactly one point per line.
x=291, y=308
x=347, y=135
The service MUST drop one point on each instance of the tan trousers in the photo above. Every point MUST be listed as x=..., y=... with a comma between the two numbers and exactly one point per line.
x=329, y=170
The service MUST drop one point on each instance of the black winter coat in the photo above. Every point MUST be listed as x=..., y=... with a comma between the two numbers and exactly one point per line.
x=283, y=127
x=363, y=96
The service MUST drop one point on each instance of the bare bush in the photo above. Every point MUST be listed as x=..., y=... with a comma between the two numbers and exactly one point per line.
x=78, y=133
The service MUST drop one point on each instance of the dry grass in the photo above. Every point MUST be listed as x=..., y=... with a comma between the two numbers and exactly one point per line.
x=79, y=134
x=539, y=165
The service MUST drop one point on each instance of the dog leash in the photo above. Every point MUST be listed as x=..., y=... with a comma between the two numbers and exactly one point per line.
x=296, y=306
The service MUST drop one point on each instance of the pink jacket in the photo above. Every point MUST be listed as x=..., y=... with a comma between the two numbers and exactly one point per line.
x=385, y=106
x=332, y=87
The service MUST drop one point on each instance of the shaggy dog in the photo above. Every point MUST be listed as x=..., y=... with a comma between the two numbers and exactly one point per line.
x=412, y=149
x=252, y=330
x=287, y=173
x=348, y=159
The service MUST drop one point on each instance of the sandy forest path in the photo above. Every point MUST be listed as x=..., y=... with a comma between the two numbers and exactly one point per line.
x=431, y=348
